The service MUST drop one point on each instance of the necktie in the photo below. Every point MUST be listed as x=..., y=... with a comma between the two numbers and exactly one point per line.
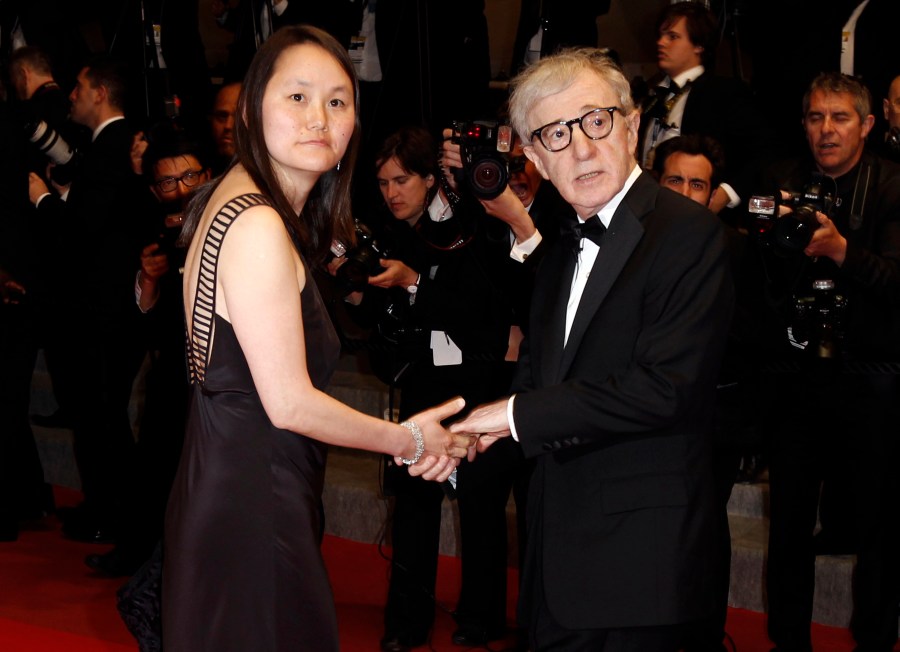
x=574, y=233
x=663, y=100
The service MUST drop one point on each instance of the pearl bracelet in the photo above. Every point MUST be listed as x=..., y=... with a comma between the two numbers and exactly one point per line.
x=419, y=438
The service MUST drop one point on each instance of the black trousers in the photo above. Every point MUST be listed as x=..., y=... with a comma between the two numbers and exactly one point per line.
x=829, y=423
x=21, y=474
x=547, y=635
x=484, y=490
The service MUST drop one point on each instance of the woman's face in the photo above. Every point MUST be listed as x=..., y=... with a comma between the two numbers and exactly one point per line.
x=404, y=192
x=308, y=112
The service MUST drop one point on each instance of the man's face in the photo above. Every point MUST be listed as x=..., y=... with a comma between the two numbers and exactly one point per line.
x=223, y=119
x=175, y=168
x=835, y=132
x=587, y=173
x=674, y=51
x=689, y=175
x=84, y=99
x=892, y=104
x=524, y=178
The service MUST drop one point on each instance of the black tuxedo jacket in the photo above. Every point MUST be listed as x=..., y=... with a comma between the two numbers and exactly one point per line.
x=619, y=421
x=724, y=108
x=95, y=233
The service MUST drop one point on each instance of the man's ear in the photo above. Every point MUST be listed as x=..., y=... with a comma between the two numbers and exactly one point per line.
x=102, y=93
x=867, y=125
x=712, y=196
x=531, y=155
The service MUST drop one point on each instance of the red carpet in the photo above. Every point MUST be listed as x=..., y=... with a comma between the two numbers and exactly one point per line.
x=51, y=602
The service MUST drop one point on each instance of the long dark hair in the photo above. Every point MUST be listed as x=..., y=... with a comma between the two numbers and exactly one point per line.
x=326, y=214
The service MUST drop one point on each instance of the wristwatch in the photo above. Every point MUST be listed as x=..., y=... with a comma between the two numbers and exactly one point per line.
x=412, y=289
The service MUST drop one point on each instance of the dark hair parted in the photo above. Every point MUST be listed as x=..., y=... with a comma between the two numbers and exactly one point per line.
x=111, y=74
x=168, y=140
x=694, y=145
x=326, y=215
x=414, y=148
x=837, y=83
x=699, y=22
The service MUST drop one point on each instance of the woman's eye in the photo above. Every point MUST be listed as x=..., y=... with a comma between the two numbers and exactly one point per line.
x=297, y=97
x=337, y=103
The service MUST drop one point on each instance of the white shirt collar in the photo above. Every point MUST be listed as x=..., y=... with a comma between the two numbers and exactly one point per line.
x=606, y=213
x=688, y=75
x=102, y=126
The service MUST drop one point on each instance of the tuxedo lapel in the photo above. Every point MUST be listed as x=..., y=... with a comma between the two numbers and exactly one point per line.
x=563, y=263
x=623, y=235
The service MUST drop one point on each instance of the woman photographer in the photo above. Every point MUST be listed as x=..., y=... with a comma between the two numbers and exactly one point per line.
x=446, y=275
x=242, y=565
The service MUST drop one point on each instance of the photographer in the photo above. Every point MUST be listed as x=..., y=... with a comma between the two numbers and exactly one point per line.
x=442, y=296
x=833, y=343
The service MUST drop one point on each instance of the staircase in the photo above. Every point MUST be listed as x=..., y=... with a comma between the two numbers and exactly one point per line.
x=356, y=509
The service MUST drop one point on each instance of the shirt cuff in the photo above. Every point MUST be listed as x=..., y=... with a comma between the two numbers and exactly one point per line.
x=40, y=199
x=509, y=417
x=522, y=250
x=734, y=199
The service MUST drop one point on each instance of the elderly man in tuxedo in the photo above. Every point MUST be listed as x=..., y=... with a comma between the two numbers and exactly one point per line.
x=615, y=384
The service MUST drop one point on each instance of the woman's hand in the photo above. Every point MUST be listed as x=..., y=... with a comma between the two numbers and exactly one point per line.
x=443, y=449
x=396, y=273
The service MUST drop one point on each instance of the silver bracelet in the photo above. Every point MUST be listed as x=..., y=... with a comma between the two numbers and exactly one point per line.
x=419, y=438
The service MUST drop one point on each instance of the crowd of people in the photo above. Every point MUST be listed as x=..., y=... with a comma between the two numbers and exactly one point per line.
x=638, y=294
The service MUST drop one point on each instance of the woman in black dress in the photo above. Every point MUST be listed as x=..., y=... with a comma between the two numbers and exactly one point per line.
x=242, y=567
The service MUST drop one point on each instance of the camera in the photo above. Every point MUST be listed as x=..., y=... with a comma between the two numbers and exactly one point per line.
x=51, y=144
x=791, y=233
x=818, y=319
x=483, y=147
x=362, y=261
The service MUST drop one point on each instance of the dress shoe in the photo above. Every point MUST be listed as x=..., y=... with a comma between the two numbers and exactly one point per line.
x=57, y=419
x=475, y=636
x=401, y=642
x=114, y=563
x=80, y=525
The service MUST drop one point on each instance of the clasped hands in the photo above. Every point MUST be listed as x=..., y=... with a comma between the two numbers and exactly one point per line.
x=446, y=446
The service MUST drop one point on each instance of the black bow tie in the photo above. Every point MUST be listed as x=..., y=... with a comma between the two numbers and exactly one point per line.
x=574, y=233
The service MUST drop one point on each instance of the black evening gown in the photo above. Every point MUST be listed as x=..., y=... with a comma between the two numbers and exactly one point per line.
x=242, y=567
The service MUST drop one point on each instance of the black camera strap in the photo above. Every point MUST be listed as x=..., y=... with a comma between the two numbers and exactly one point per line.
x=858, y=201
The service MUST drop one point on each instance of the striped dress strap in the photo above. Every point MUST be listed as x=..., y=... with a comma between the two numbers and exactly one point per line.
x=204, y=310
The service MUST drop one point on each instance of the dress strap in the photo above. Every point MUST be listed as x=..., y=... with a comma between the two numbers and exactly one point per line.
x=204, y=310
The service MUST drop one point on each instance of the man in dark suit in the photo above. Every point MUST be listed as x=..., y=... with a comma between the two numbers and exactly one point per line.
x=96, y=314
x=691, y=99
x=615, y=384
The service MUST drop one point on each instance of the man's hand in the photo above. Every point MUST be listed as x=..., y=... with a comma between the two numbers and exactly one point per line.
x=36, y=187
x=509, y=208
x=450, y=158
x=396, y=273
x=154, y=263
x=488, y=422
x=138, y=147
x=827, y=241
x=11, y=291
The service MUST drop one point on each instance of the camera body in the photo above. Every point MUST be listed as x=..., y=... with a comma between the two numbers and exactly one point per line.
x=791, y=233
x=483, y=147
x=818, y=319
x=363, y=260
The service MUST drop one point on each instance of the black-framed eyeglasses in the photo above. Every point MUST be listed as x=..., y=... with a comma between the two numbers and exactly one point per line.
x=596, y=125
x=190, y=179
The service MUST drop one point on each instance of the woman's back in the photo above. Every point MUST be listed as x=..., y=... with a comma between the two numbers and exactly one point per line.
x=243, y=524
